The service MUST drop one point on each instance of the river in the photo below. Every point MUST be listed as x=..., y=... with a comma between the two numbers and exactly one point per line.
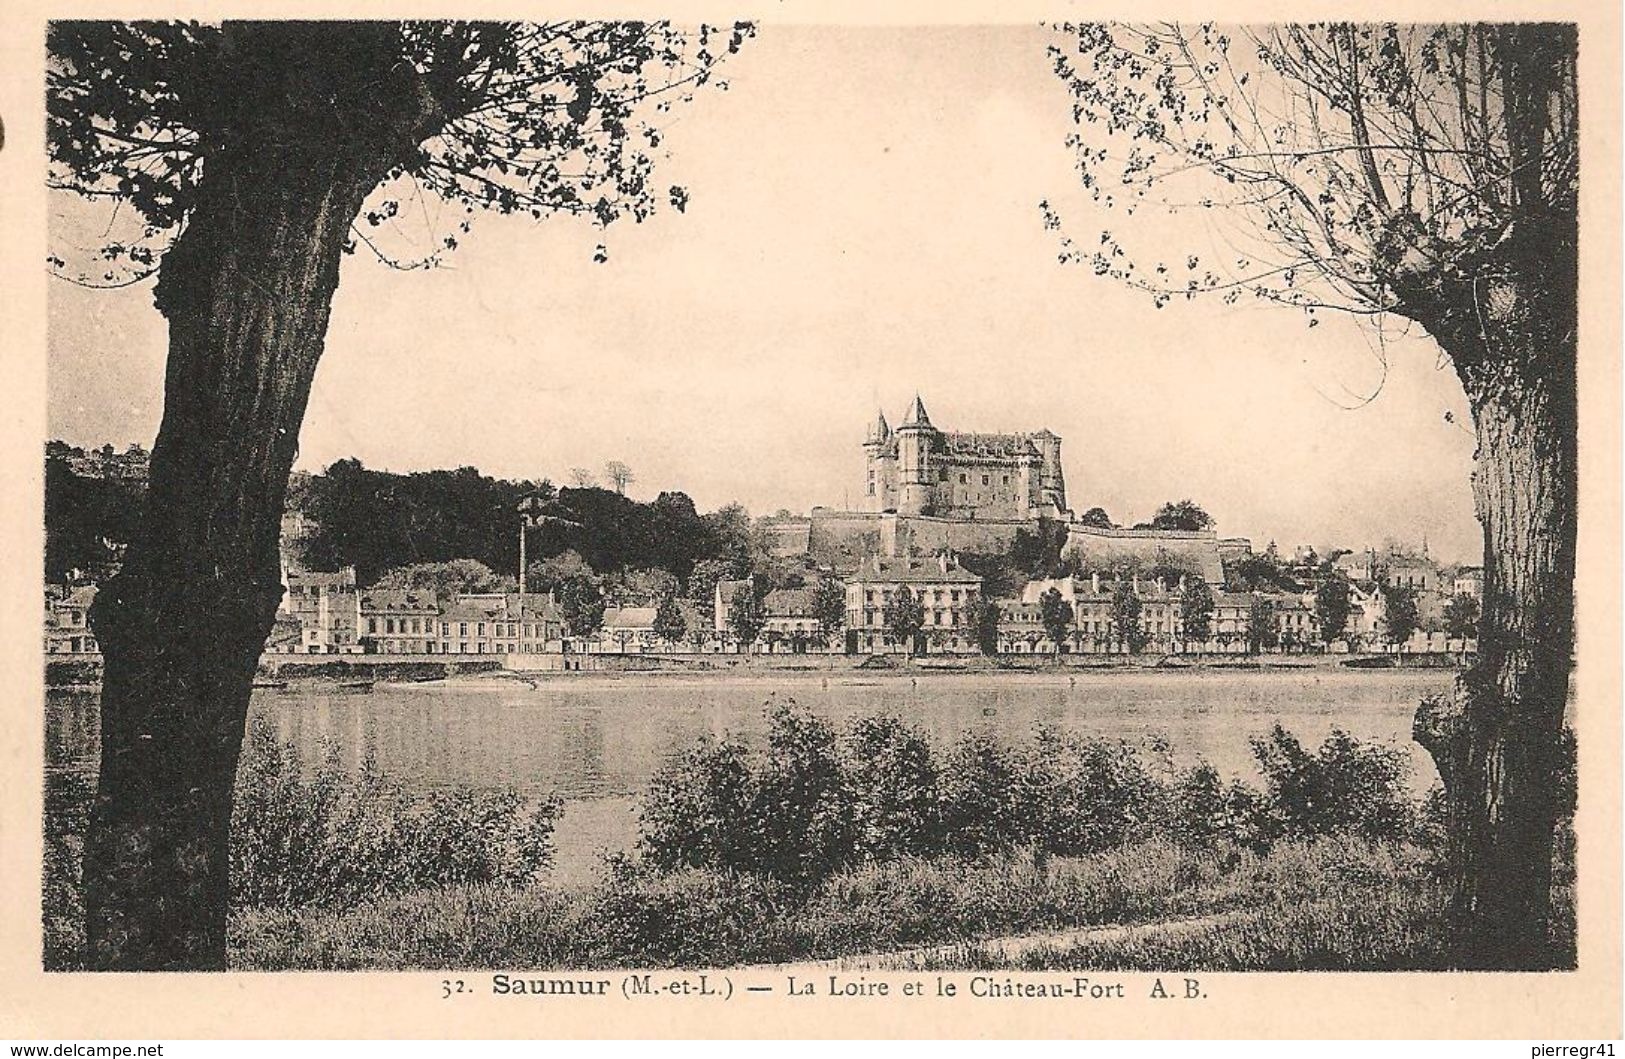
x=595, y=740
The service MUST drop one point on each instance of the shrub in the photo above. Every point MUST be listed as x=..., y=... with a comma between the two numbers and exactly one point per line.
x=980, y=797
x=1086, y=795
x=800, y=809
x=1205, y=810
x=787, y=814
x=338, y=838
x=1347, y=787
x=697, y=811
x=891, y=775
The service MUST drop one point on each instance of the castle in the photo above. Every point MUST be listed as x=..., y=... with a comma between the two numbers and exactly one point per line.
x=920, y=470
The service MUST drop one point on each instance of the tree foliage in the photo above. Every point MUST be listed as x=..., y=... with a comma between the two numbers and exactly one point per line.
x=1261, y=628
x=1332, y=606
x=829, y=604
x=1400, y=616
x=530, y=118
x=746, y=615
x=904, y=616
x=1056, y=615
x=1096, y=517
x=1461, y=616
x=1196, y=610
x=1342, y=160
x=1126, y=617
x=88, y=520
x=669, y=623
x=448, y=579
x=1183, y=515
x=983, y=616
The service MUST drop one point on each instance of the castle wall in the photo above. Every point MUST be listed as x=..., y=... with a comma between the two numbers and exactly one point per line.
x=1108, y=550
x=842, y=539
x=924, y=535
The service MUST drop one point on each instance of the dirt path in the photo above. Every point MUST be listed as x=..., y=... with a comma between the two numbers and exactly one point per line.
x=996, y=952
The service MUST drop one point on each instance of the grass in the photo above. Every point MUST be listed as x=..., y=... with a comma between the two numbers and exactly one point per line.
x=1325, y=904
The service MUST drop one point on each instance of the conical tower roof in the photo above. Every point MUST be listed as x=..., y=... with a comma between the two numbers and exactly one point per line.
x=879, y=430
x=916, y=414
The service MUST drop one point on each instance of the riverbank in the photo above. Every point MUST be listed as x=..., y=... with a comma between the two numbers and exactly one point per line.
x=1356, y=906
x=281, y=671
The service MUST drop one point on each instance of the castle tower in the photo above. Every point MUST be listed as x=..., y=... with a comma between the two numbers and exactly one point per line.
x=914, y=482
x=1051, y=481
x=874, y=449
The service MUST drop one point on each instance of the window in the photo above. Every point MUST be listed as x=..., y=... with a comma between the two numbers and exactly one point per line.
x=963, y=479
x=985, y=479
x=462, y=628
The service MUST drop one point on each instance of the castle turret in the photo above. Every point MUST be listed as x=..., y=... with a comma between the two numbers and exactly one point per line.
x=875, y=451
x=914, y=483
x=1051, y=482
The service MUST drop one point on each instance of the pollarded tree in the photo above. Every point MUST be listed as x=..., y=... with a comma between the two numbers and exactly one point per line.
x=1461, y=616
x=1400, y=615
x=829, y=605
x=1260, y=625
x=746, y=615
x=254, y=154
x=1126, y=617
x=1429, y=173
x=983, y=617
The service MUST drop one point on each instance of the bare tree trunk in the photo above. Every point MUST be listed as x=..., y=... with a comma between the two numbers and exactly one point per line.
x=247, y=290
x=1499, y=746
x=1525, y=489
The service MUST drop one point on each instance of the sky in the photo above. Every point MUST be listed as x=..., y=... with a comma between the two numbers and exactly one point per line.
x=863, y=225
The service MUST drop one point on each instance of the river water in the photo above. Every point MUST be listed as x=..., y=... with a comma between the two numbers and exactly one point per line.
x=594, y=740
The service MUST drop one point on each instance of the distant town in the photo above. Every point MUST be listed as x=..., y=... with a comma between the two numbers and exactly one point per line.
x=964, y=544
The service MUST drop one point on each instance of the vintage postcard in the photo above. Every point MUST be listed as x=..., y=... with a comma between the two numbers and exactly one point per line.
x=796, y=521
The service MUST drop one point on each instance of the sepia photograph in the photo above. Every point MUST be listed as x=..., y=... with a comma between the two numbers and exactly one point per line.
x=1070, y=506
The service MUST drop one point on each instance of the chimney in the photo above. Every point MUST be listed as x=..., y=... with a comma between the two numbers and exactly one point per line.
x=1094, y=582
x=1182, y=582
x=942, y=562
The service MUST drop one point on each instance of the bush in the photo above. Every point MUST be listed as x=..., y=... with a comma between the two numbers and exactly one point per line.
x=891, y=777
x=800, y=808
x=336, y=838
x=980, y=792
x=697, y=812
x=812, y=805
x=787, y=815
x=1086, y=795
x=1205, y=810
x=1348, y=787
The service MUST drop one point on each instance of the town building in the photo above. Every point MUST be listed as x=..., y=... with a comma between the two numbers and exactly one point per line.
x=920, y=470
x=489, y=623
x=1469, y=581
x=628, y=628
x=328, y=610
x=945, y=591
x=398, y=621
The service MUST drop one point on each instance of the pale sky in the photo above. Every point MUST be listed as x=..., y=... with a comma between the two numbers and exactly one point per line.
x=863, y=224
